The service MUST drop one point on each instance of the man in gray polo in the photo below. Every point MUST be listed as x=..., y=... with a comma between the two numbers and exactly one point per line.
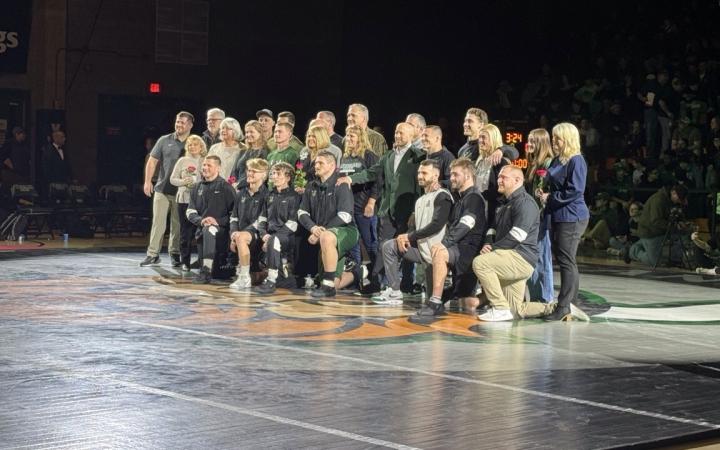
x=166, y=152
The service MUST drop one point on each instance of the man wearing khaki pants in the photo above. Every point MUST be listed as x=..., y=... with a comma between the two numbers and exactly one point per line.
x=504, y=266
x=166, y=152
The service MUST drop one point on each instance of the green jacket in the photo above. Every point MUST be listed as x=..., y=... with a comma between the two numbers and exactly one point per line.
x=653, y=221
x=295, y=143
x=399, y=189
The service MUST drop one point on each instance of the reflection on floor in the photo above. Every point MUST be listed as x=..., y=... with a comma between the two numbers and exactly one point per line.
x=98, y=352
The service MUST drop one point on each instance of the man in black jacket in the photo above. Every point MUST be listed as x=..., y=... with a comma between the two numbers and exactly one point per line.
x=432, y=211
x=462, y=241
x=211, y=202
x=278, y=229
x=326, y=212
x=504, y=266
x=246, y=221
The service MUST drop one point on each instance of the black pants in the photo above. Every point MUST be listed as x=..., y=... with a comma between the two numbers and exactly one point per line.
x=215, y=246
x=566, y=237
x=187, y=231
x=389, y=229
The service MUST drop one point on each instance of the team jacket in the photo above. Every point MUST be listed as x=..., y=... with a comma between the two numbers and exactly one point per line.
x=432, y=211
x=279, y=217
x=467, y=220
x=516, y=225
x=211, y=199
x=247, y=213
x=326, y=205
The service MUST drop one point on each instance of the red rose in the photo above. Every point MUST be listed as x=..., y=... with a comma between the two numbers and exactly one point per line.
x=541, y=172
x=191, y=169
x=232, y=179
x=299, y=165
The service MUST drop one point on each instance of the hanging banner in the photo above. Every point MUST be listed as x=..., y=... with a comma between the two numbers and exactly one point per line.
x=15, y=20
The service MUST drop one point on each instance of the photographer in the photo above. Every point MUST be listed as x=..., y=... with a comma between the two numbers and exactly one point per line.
x=661, y=214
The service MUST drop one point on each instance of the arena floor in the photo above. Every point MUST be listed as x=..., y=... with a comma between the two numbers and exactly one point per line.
x=100, y=353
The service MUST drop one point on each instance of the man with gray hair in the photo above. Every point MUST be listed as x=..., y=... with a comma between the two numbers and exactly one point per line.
x=328, y=118
x=418, y=122
x=211, y=136
x=359, y=115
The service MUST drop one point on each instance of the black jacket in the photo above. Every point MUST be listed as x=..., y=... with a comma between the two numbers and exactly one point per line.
x=326, y=205
x=239, y=169
x=211, y=199
x=280, y=212
x=247, y=213
x=467, y=220
x=516, y=225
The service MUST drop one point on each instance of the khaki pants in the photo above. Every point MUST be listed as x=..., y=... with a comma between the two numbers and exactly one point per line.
x=162, y=205
x=503, y=275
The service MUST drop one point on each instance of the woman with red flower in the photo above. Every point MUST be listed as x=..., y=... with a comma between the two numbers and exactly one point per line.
x=229, y=147
x=186, y=174
x=539, y=154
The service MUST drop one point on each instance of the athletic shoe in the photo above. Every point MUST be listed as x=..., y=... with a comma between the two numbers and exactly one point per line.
x=203, y=277
x=242, y=283
x=267, y=287
x=389, y=297
x=323, y=292
x=496, y=315
x=706, y=271
x=175, y=260
x=150, y=261
x=431, y=309
x=578, y=313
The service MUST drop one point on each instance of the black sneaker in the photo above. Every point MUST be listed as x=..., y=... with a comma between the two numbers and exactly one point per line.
x=432, y=309
x=267, y=287
x=203, y=277
x=175, y=260
x=150, y=261
x=323, y=291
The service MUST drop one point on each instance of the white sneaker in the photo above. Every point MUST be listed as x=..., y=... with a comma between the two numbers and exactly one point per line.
x=578, y=313
x=496, y=315
x=705, y=271
x=389, y=297
x=242, y=283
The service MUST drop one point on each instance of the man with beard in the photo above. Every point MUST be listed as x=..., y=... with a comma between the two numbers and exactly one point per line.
x=432, y=211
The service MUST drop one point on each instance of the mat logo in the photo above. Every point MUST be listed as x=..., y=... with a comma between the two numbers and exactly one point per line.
x=8, y=39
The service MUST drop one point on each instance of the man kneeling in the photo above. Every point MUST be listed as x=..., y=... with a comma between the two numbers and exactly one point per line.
x=461, y=243
x=211, y=202
x=432, y=211
x=247, y=220
x=504, y=266
x=278, y=232
x=326, y=212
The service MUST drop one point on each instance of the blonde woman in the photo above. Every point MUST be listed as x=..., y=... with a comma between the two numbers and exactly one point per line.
x=185, y=175
x=255, y=147
x=486, y=169
x=317, y=139
x=229, y=147
x=565, y=202
x=540, y=155
x=358, y=156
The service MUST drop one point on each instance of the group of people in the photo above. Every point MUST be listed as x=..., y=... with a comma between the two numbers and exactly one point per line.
x=283, y=211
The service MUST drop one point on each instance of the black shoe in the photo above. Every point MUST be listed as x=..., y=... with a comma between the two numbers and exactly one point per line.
x=431, y=309
x=323, y=291
x=150, y=261
x=195, y=265
x=267, y=287
x=203, y=277
x=175, y=260
x=560, y=313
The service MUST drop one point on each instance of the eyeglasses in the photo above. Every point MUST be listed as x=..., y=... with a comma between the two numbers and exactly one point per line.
x=213, y=120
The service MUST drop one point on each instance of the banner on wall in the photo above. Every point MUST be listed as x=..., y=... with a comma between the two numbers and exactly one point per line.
x=15, y=22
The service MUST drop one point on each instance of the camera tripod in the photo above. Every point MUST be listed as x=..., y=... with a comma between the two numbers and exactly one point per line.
x=670, y=233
